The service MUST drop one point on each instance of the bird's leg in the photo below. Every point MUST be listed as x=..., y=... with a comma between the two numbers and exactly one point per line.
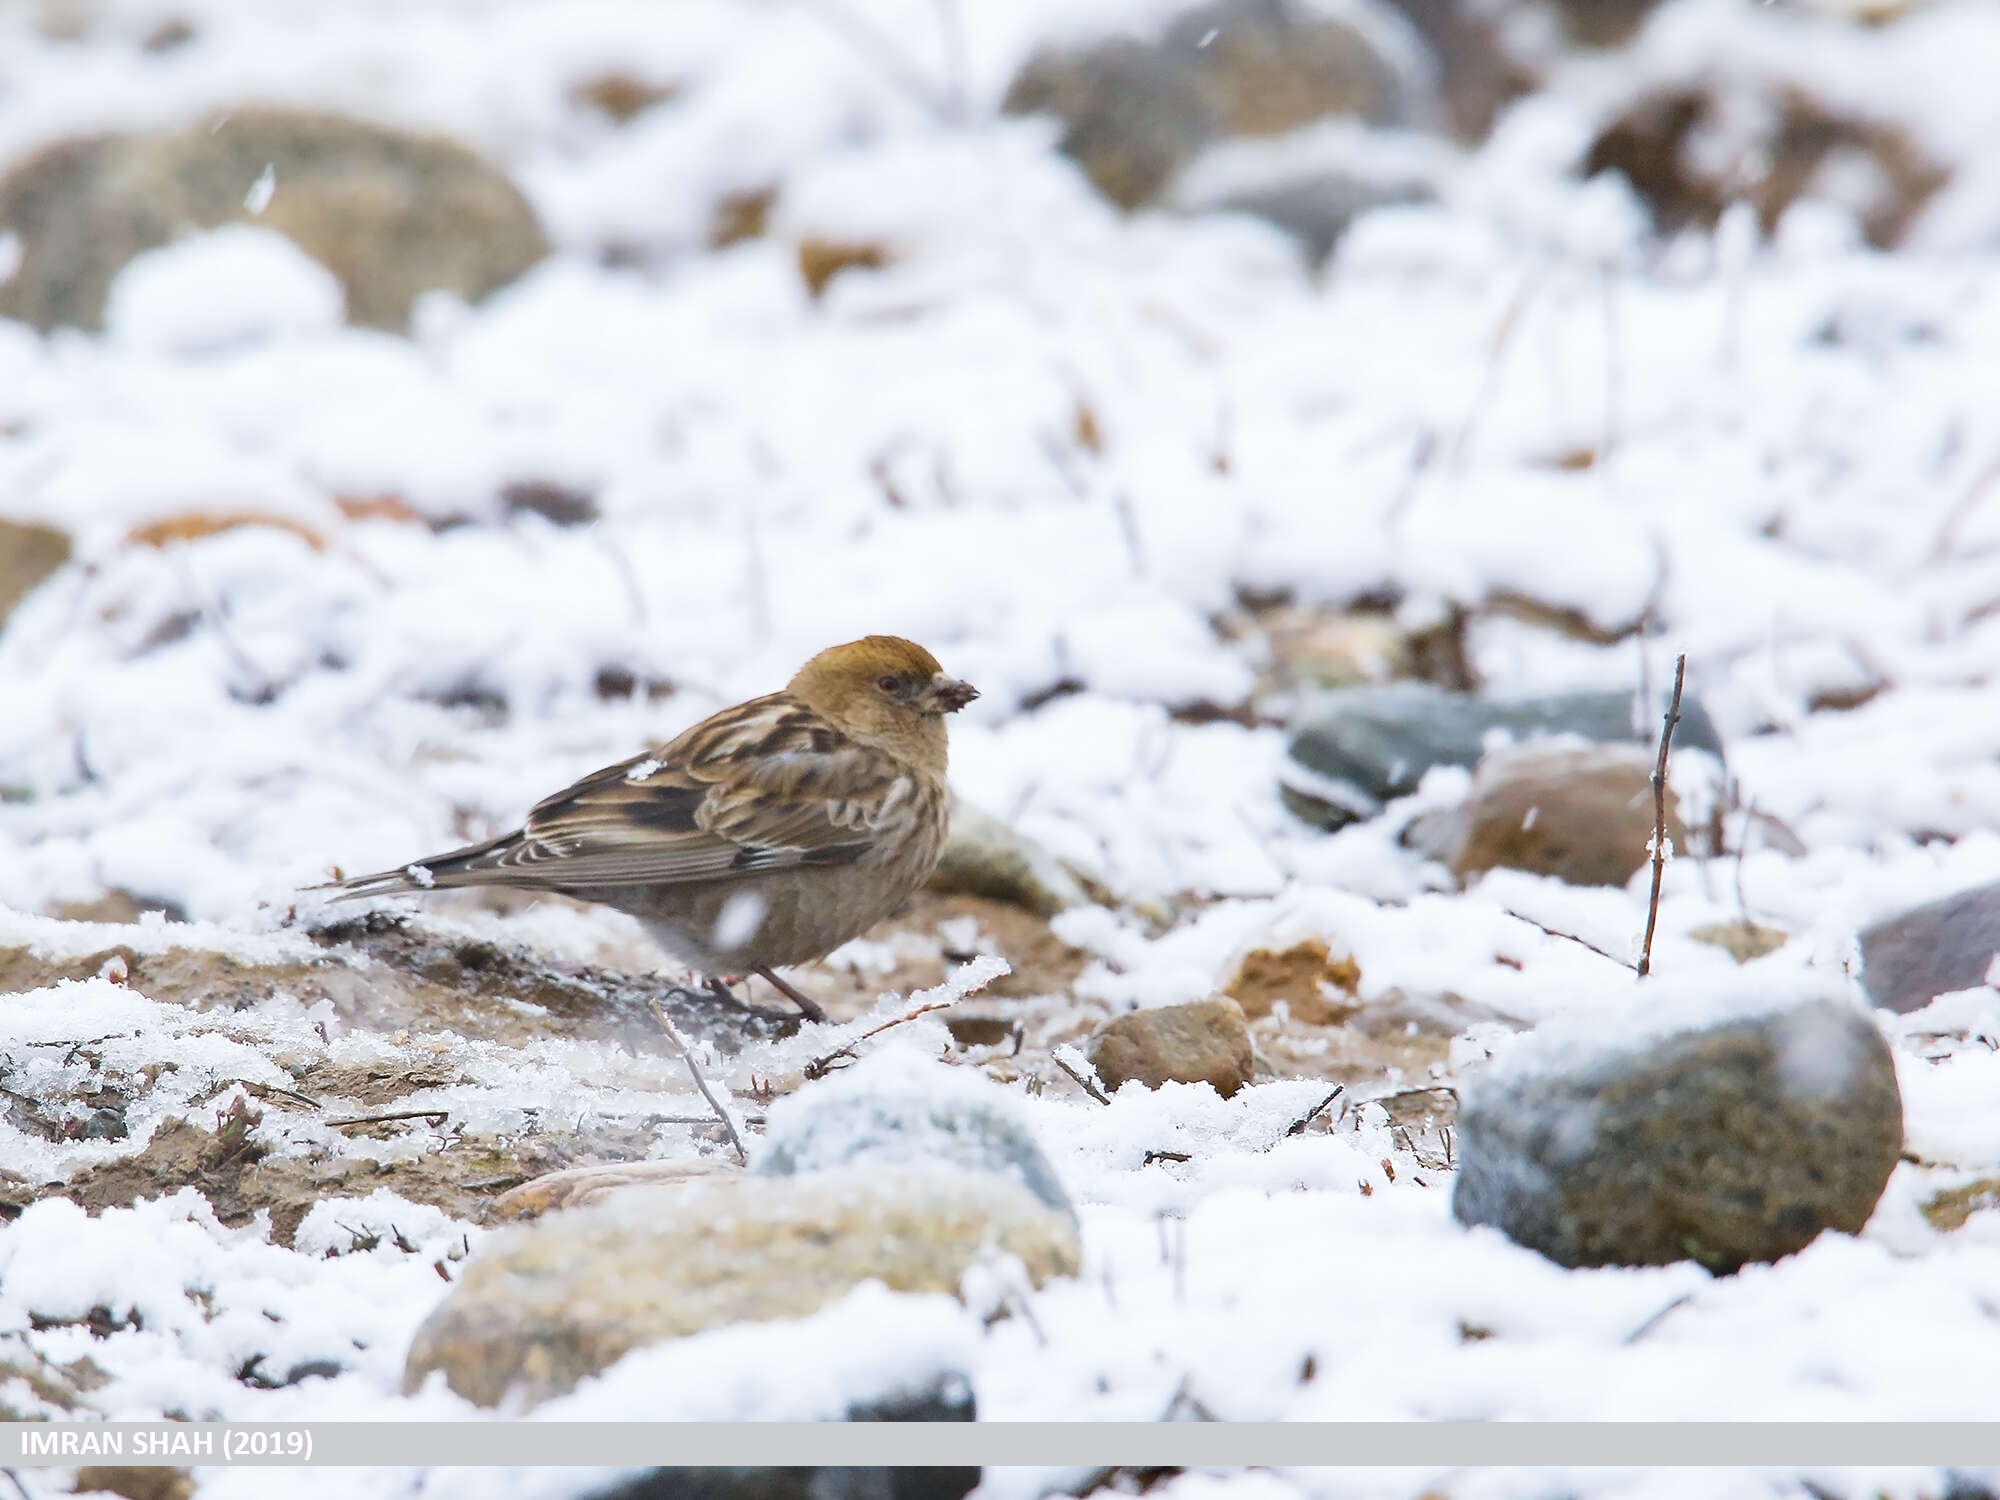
x=806, y=1004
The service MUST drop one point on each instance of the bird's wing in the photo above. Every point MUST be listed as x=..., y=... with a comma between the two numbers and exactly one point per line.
x=763, y=786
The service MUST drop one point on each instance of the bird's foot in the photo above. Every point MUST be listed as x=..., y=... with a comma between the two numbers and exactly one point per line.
x=808, y=1007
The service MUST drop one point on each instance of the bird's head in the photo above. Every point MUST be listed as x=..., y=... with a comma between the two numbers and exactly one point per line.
x=883, y=689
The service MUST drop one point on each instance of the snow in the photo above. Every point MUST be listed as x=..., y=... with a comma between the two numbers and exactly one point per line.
x=233, y=285
x=1790, y=446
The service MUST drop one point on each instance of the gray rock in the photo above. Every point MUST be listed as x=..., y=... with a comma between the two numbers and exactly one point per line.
x=390, y=213
x=1907, y=961
x=28, y=554
x=542, y=1306
x=1314, y=181
x=1135, y=111
x=984, y=857
x=897, y=1106
x=1354, y=749
x=1205, y=1042
x=1583, y=815
x=1725, y=1144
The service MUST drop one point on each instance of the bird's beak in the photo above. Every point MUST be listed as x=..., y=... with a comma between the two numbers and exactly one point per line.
x=949, y=694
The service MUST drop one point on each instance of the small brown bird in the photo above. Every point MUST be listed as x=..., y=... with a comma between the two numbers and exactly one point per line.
x=766, y=835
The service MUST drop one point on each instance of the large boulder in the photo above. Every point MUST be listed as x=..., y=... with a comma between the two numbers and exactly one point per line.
x=391, y=213
x=1678, y=1131
x=542, y=1306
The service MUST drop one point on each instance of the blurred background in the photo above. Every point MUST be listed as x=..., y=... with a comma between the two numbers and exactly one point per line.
x=406, y=407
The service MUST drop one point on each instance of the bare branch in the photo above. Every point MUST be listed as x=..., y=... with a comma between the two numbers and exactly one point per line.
x=1673, y=717
x=1298, y=1126
x=681, y=1046
x=1557, y=932
x=437, y=1117
x=819, y=1067
x=1087, y=1084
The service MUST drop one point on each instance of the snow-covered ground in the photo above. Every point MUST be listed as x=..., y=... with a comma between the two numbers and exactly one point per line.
x=1052, y=442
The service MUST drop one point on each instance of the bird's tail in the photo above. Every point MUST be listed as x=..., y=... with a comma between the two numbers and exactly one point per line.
x=472, y=865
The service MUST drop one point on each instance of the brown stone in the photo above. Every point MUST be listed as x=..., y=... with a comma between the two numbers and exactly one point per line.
x=822, y=260
x=28, y=554
x=1583, y=815
x=1207, y=1041
x=1655, y=143
x=1301, y=976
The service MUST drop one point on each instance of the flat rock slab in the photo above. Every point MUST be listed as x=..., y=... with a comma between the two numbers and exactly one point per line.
x=547, y=1304
x=1909, y=960
x=1356, y=749
x=1736, y=1142
x=1207, y=1041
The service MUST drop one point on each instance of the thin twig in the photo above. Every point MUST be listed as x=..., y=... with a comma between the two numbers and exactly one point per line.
x=1569, y=936
x=1298, y=1126
x=437, y=1117
x=1153, y=1156
x=819, y=1066
x=1673, y=717
x=1964, y=506
x=20, y=1485
x=1088, y=1085
x=681, y=1046
x=1658, y=1318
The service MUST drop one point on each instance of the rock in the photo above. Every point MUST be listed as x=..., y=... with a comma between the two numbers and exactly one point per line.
x=390, y=213
x=1313, y=182
x=239, y=284
x=1907, y=961
x=28, y=554
x=1315, y=987
x=574, y=1187
x=897, y=1106
x=822, y=260
x=1476, y=76
x=543, y=1305
x=984, y=857
x=1207, y=1042
x=1584, y=816
x=1602, y=23
x=851, y=1483
x=1950, y=1209
x=1135, y=111
x=33, y=1388
x=135, y=1482
x=1724, y=1142
x=1689, y=154
x=1742, y=940
x=1353, y=750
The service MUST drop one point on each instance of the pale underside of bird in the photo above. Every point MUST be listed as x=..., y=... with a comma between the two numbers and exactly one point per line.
x=762, y=837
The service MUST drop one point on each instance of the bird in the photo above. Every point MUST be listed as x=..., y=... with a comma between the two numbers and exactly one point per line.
x=765, y=836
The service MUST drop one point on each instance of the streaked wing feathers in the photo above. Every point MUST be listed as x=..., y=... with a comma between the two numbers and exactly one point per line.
x=765, y=786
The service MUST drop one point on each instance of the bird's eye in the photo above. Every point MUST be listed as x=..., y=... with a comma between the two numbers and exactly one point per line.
x=887, y=684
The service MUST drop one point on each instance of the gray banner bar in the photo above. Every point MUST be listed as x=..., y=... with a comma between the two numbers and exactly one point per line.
x=200, y=1444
